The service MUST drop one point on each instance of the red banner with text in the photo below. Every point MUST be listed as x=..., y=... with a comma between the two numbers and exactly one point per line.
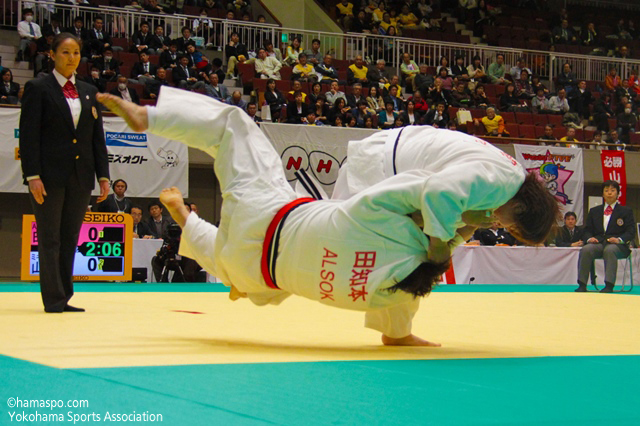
x=613, y=168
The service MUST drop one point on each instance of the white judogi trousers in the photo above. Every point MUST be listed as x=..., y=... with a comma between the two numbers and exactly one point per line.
x=345, y=254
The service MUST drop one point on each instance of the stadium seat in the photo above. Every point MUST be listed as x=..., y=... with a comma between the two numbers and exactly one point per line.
x=554, y=119
x=527, y=131
x=524, y=118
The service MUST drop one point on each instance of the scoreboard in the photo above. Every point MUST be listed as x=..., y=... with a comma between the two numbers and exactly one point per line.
x=104, y=249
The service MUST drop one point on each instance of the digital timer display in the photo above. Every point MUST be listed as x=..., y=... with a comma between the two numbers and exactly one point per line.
x=103, y=252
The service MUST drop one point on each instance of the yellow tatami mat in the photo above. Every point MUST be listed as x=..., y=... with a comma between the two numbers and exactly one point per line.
x=144, y=329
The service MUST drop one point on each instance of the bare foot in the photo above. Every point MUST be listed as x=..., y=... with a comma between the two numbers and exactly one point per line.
x=136, y=116
x=173, y=201
x=409, y=340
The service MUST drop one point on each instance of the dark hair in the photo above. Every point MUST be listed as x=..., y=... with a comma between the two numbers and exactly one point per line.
x=361, y=102
x=612, y=183
x=298, y=93
x=78, y=19
x=115, y=182
x=25, y=11
x=158, y=25
x=217, y=62
x=108, y=49
x=142, y=52
x=315, y=40
x=6, y=71
x=261, y=48
x=154, y=203
x=60, y=38
x=98, y=17
x=302, y=55
x=535, y=211
x=135, y=206
x=500, y=54
x=567, y=214
x=252, y=103
x=184, y=28
x=421, y=280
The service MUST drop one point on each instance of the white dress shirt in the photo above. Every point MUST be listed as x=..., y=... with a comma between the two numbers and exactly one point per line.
x=607, y=217
x=74, y=104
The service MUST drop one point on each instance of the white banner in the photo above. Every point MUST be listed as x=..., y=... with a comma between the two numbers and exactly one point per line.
x=318, y=150
x=147, y=163
x=562, y=171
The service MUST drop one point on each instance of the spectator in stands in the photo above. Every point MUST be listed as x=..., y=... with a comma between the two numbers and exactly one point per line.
x=509, y=101
x=326, y=71
x=497, y=70
x=589, y=35
x=202, y=26
x=116, y=202
x=361, y=23
x=408, y=20
x=321, y=108
x=387, y=117
x=316, y=90
x=42, y=62
x=581, y=99
x=304, y=71
x=216, y=68
x=623, y=90
x=614, y=138
x=379, y=11
x=420, y=104
x=360, y=113
x=493, y=123
x=547, y=136
x=236, y=100
x=296, y=87
x=9, y=89
x=152, y=6
x=621, y=31
x=293, y=51
x=379, y=74
x=476, y=72
x=54, y=26
x=314, y=56
x=597, y=140
x=622, y=52
x=444, y=63
x=447, y=80
x=524, y=90
x=339, y=109
x=399, y=122
x=125, y=92
x=409, y=69
x=423, y=80
x=267, y=66
x=540, y=103
x=216, y=90
x=621, y=104
x=634, y=82
x=275, y=99
x=559, y=103
x=516, y=70
x=344, y=12
x=140, y=229
x=142, y=39
x=109, y=67
x=495, y=235
x=356, y=96
x=275, y=53
x=536, y=84
x=374, y=100
x=357, y=73
x=196, y=59
x=466, y=8
x=437, y=117
x=77, y=29
x=612, y=80
x=459, y=70
x=143, y=71
x=480, y=99
x=334, y=94
x=461, y=96
x=398, y=103
x=568, y=139
x=239, y=6
x=626, y=122
x=631, y=29
x=95, y=79
x=185, y=77
x=368, y=123
x=438, y=93
x=152, y=88
x=337, y=122
x=28, y=31
x=169, y=58
x=159, y=42
x=100, y=39
x=235, y=52
x=567, y=79
x=385, y=24
x=181, y=42
x=157, y=222
x=602, y=112
x=412, y=116
x=563, y=34
x=313, y=119
x=569, y=235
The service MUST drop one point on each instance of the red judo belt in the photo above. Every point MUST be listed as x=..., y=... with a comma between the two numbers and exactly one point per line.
x=272, y=238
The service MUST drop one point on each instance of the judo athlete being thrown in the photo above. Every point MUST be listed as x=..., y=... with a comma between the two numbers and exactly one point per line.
x=363, y=254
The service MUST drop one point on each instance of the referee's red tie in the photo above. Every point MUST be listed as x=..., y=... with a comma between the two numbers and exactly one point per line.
x=69, y=90
x=608, y=211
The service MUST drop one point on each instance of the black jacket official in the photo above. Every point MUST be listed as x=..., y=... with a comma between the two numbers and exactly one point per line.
x=621, y=225
x=565, y=238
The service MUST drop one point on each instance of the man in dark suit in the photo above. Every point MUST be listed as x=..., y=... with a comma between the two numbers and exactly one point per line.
x=78, y=29
x=124, y=92
x=169, y=58
x=108, y=65
x=98, y=39
x=570, y=235
x=297, y=110
x=609, y=229
x=159, y=42
x=140, y=228
x=8, y=88
x=96, y=80
x=356, y=96
x=62, y=151
x=158, y=224
x=252, y=109
x=142, y=39
x=438, y=117
x=495, y=235
x=185, y=77
x=143, y=71
x=581, y=99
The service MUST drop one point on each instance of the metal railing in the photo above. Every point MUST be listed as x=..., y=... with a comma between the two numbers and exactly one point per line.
x=124, y=22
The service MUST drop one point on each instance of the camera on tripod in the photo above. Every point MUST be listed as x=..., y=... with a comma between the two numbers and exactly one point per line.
x=166, y=258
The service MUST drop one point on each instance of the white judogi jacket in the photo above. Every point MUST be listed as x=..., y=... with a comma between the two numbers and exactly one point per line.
x=344, y=254
x=465, y=172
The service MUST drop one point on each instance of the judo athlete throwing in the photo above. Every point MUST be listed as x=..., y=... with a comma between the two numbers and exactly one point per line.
x=364, y=253
x=470, y=182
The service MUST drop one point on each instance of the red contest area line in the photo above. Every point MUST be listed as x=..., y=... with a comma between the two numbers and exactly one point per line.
x=188, y=312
